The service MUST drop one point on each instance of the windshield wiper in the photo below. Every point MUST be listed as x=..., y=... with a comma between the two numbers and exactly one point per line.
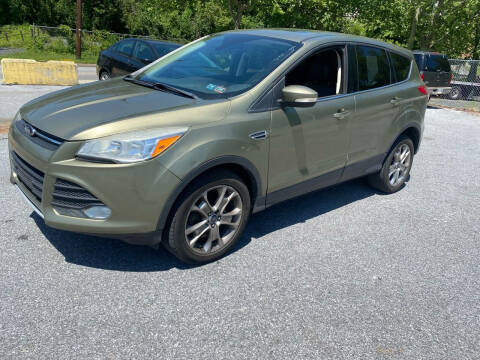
x=161, y=87
x=174, y=90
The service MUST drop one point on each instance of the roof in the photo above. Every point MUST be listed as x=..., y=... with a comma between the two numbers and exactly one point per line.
x=427, y=52
x=297, y=35
x=152, y=41
x=303, y=36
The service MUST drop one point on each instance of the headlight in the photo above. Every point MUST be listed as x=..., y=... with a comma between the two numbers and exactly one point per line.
x=131, y=147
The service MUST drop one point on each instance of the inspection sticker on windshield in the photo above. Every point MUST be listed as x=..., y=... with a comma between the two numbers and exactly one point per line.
x=211, y=86
x=220, y=89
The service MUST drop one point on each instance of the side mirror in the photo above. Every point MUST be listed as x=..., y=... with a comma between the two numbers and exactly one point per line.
x=298, y=96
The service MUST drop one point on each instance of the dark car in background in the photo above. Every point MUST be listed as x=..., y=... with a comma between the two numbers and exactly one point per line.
x=435, y=71
x=129, y=55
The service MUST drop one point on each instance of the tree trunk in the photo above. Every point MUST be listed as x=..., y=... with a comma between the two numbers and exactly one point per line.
x=236, y=9
x=476, y=41
x=433, y=28
x=413, y=30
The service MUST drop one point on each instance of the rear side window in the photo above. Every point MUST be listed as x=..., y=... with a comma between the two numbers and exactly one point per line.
x=125, y=47
x=437, y=63
x=373, y=68
x=401, y=66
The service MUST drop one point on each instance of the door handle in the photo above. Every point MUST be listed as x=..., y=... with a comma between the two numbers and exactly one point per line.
x=341, y=114
x=395, y=101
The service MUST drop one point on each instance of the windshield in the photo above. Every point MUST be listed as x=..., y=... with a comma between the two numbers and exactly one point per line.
x=221, y=65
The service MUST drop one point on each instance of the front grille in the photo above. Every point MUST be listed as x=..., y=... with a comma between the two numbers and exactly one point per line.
x=72, y=196
x=39, y=137
x=29, y=176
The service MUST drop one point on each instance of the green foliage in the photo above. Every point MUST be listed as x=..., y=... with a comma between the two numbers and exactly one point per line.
x=449, y=26
x=43, y=55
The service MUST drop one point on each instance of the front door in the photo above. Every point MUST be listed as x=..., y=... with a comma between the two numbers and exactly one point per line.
x=308, y=145
x=121, y=63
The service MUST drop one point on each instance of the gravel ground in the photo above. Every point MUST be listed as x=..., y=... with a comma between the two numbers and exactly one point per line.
x=468, y=105
x=345, y=273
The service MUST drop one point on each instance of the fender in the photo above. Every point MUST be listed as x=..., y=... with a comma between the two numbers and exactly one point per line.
x=258, y=200
x=410, y=124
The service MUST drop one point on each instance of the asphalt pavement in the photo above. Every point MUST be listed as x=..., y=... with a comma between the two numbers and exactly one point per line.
x=344, y=273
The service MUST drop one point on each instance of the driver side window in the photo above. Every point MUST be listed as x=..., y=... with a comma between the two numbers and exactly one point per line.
x=322, y=72
x=143, y=52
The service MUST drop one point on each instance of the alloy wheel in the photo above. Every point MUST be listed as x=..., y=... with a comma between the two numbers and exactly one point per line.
x=213, y=219
x=400, y=165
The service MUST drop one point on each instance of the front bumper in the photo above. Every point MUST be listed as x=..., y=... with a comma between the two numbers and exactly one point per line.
x=135, y=193
x=439, y=90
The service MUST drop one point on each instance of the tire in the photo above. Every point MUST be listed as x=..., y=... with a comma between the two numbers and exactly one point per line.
x=394, y=172
x=202, y=229
x=455, y=93
x=104, y=75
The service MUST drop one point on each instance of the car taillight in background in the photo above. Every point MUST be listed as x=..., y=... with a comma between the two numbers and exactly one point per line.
x=422, y=76
x=423, y=90
x=451, y=78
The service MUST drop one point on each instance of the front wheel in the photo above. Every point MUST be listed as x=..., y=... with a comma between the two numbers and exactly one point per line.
x=209, y=218
x=396, y=168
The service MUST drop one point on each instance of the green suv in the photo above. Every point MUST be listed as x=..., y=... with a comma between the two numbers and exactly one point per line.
x=182, y=151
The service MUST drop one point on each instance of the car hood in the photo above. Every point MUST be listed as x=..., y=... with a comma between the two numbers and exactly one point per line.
x=105, y=108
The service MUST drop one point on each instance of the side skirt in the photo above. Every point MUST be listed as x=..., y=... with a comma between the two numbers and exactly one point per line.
x=350, y=172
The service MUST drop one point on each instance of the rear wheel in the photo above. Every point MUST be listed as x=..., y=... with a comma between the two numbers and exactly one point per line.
x=209, y=218
x=396, y=168
x=455, y=93
x=104, y=75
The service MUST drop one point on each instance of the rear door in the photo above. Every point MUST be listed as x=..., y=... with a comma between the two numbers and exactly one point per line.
x=437, y=70
x=376, y=106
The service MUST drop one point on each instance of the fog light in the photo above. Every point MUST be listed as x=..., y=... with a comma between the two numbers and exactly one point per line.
x=98, y=212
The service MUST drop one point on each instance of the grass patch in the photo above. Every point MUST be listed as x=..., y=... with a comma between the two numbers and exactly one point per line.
x=42, y=55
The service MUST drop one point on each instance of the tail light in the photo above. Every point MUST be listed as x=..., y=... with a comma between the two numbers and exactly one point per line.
x=422, y=76
x=423, y=90
x=451, y=78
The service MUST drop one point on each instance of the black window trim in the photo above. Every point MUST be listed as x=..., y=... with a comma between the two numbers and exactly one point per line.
x=394, y=74
x=390, y=68
x=275, y=82
x=281, y=77
x=386, y=49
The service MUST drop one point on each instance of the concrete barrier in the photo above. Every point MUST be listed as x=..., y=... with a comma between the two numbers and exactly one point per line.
x=31, y=72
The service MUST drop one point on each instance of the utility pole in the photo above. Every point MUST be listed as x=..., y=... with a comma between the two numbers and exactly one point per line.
x=78, y=47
